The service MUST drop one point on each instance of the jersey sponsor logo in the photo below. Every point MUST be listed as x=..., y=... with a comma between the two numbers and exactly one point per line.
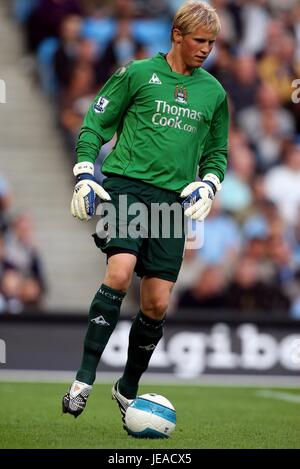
x=180, y=94
x=101, y=104
x=155, y=80
x=168, y=115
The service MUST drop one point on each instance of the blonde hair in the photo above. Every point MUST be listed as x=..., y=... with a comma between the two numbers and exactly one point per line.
x=193, y=14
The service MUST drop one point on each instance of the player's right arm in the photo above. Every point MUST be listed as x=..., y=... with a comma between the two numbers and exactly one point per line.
x=99, y=126
x=104, y=115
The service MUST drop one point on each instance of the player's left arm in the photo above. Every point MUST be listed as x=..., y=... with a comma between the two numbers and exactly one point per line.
x=99, y=125
x=198, y=196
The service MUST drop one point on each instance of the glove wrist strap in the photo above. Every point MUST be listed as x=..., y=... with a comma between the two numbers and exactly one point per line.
x=213, y=181
x=85, y=167
x=210, y=184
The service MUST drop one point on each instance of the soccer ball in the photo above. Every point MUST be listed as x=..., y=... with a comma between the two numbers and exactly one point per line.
x=150, y=416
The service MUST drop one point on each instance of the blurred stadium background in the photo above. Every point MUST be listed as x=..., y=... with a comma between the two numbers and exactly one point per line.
x=235, y=314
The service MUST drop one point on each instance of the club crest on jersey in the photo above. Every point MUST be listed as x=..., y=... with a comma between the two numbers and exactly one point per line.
x=180, y=94
x=100, y=105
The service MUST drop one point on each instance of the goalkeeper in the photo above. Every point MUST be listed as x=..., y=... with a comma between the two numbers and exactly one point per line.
x=171, y=120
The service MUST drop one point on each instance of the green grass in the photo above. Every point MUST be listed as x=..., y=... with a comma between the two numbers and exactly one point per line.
x=207, y=417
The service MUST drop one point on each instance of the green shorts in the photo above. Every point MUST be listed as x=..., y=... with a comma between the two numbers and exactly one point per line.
x=137, y=223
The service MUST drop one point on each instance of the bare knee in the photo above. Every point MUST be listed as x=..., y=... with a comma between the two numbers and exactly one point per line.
x=155, y=308
x=155, y=295
x=118, y=280
x=119, y=271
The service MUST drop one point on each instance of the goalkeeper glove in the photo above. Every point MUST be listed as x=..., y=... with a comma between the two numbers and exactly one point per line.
x=199, y=197
x=84, y=196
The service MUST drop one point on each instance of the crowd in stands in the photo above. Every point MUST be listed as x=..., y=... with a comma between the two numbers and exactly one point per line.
x=250, y=260
x=22, y=283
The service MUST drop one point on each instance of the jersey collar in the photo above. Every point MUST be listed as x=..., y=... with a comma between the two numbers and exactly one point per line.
x=163, y=56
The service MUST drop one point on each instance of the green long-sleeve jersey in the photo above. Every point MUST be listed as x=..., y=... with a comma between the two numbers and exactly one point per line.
x=167, y=125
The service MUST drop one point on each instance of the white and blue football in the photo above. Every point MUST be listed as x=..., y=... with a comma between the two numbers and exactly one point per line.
x=150, y=416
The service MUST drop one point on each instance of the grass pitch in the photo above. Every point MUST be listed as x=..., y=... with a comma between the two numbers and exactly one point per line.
x=207, y=417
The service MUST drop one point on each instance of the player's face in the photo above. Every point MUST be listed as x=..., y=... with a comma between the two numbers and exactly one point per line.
x=196, y=47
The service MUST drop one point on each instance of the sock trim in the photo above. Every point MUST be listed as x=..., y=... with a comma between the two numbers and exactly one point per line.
x=111, y=295
x=149, y=322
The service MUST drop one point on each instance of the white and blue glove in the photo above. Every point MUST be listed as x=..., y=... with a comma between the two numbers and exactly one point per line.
x=199, y=196
x=83, y=204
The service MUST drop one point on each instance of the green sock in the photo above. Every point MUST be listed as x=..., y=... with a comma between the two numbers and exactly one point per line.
x=103, y=317
x=145, y=333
